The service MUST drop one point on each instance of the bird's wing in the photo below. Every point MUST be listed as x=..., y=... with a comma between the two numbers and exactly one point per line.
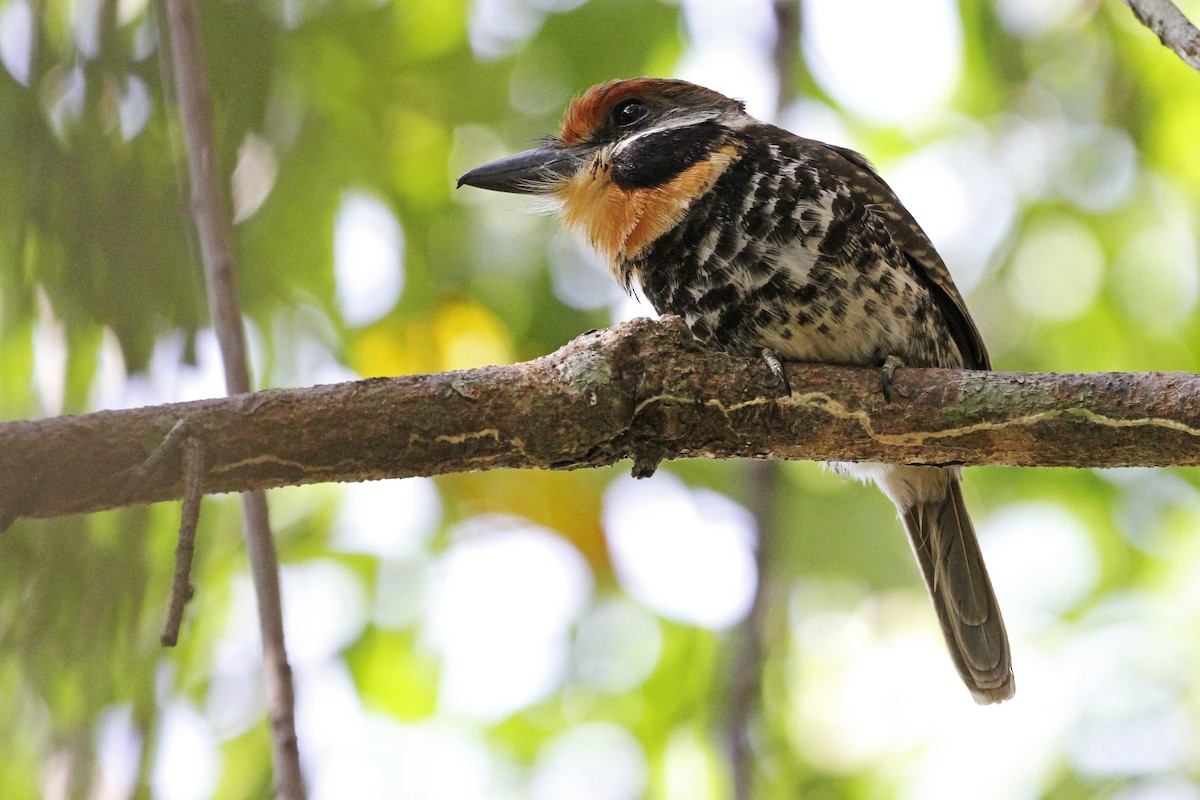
x=858, y=173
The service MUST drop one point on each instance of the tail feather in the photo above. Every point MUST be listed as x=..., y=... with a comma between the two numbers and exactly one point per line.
x=944, y=541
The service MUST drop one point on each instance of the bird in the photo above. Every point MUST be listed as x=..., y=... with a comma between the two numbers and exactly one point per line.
x=772, y=245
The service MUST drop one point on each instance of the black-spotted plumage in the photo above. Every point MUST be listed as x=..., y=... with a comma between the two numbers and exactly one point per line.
x=765, y=241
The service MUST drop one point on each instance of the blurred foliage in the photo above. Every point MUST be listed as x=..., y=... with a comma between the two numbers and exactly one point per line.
x=1070, y=133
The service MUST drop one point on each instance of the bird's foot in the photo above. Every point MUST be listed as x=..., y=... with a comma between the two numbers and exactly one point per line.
x=775, y=362
x=887, y=374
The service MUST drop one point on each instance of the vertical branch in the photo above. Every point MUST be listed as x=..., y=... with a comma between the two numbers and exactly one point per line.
x=744, y=703
x=743, y=718
x=214, y=231
x=213, y=225
x=787, y=48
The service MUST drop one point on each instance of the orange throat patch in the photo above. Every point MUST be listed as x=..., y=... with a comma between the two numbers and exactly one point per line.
x=620, y=223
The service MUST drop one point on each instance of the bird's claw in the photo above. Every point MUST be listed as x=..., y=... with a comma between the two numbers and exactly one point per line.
x=776, y=364
x=887, y=374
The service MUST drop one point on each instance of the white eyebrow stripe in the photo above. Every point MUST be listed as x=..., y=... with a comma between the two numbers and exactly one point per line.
x=668, y=124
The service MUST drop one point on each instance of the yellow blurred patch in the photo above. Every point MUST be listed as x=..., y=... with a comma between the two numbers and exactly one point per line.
x=459, y=335
x=388, y=348
x=429, y=28
x=1174, y=142
x=468, y=335
x=394, y=676
x=568, y=503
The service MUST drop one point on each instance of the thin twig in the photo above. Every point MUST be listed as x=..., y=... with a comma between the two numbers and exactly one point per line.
x=144, y=472
x=216, y=249
x=189, y=518
x=1172, y=28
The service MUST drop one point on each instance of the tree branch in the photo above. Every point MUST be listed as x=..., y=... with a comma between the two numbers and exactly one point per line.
x=1171, y=27
x=643, y=389
x=189, y=519
x=215, y=232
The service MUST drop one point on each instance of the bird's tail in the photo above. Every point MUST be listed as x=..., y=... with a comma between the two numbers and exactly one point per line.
x=931, y=504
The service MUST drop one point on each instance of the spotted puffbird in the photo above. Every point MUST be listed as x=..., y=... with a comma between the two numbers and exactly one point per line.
x=769, y=243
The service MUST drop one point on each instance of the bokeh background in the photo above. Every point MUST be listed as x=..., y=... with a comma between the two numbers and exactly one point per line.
x=574, y=635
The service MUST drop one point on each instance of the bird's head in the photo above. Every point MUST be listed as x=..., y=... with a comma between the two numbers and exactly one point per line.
x=630, y=157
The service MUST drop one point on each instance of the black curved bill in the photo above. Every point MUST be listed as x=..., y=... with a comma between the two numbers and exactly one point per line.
x=537, y=171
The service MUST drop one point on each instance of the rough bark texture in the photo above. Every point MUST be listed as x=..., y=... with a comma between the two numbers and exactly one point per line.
x=643, y=390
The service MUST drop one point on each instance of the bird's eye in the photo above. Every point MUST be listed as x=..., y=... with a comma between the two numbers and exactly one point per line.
x=629, y=112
